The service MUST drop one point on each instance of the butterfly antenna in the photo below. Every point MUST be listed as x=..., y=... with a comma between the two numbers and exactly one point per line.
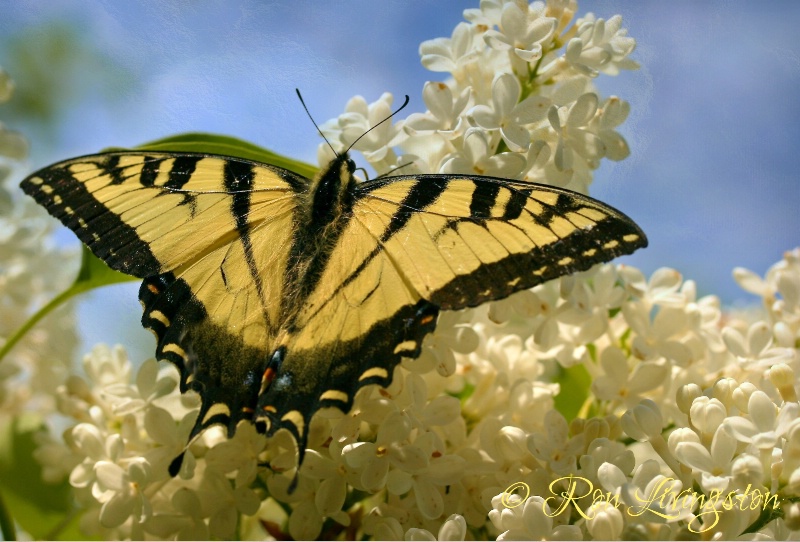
x=391, y=172
x=314, y=123
x=405, y=103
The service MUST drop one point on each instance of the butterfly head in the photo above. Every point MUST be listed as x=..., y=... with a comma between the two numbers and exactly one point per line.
x=343, y=166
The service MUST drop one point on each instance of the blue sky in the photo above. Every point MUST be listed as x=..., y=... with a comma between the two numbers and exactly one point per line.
x=714, y=127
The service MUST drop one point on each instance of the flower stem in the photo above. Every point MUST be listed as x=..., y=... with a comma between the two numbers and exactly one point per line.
x=7, y=528
x=33, y=320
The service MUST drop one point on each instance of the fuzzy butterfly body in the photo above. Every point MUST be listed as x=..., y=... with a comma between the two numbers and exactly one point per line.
x=276, y=295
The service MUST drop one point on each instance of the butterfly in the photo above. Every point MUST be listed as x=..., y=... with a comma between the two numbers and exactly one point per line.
x=276, y=295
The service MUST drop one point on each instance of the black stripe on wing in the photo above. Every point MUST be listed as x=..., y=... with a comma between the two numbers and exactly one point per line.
x=308, y=380
x=104, y=232
x=421, y=196
x=210, y=359
x=239, y=183
x=577, y=252
x=611, y=236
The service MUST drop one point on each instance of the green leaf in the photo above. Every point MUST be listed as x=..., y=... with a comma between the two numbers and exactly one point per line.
x=575, y=384
x=45, y=511
x=95, y=273
x=228, y=146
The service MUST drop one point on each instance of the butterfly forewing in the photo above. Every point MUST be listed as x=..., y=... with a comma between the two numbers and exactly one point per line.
x=462, y=241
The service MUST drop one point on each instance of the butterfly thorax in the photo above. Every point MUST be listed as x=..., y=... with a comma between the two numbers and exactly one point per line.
x=331, y=194
x=324, y=211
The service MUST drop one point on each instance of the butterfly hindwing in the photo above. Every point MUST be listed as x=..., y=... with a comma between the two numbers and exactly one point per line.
x=359, y=321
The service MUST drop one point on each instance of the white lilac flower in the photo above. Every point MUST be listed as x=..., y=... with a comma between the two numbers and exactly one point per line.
x=661, y=337
x=223, y=504
x=576, y=139
x=722, y=523
x=779, y=275
x=504, y=389
x=372, y=460
x=712, y=463
x=625, y=385
x=605, y=521
x=363, y=119
x=638, y=492
x=592, y=292
x=169, y=440
x=239, y=454
x=529, y=519
x=127, y=441
x=764, y=423
x=522, y=30
x=476, y=156
x=488, y=14
x=91, y=444
x=541, y=307
x=663, y=288
x=780, y=293
x=122, y=491
x=185, y=522
x=603, y=453
x=600, y=46
x=454, y=528
x=56, y=459
x=611, y=113
x=707, y=414
x=439, y=350
x=790, y=457
x=334, y=477
x=427, y=478
x=444, y=116
x=555, y=447
x=451, y=54
x=12, y=144
x=747, y=469
x=540, y=166
x=783, y=378
x=508, y=113
x=757, y=350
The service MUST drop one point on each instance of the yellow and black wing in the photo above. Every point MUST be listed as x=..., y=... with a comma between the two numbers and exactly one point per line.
x=276, y=295
x=207, y=234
